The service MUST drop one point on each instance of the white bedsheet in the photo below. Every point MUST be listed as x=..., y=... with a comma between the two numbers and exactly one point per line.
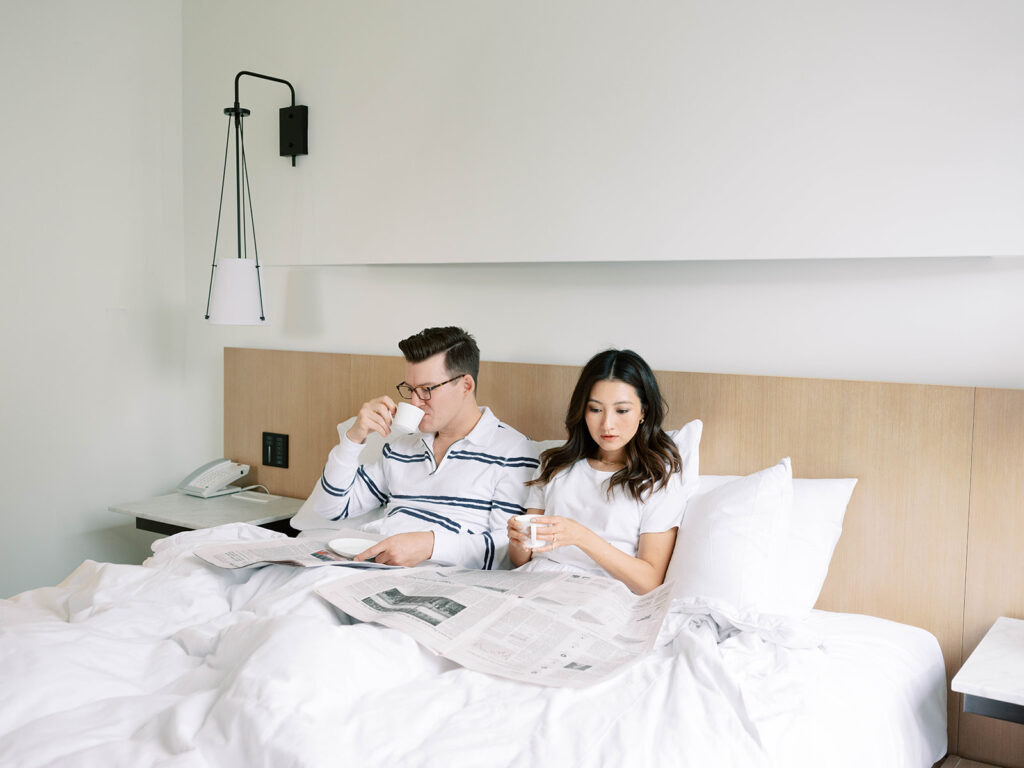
x=178, y=663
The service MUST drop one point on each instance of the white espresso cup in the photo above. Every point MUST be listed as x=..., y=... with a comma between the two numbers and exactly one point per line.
x=407, y=418
x=531, y=523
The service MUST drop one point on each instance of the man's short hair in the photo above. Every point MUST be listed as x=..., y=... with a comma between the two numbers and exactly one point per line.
x=461, y=354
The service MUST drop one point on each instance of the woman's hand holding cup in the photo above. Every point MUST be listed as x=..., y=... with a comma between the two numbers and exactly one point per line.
x=523, y=530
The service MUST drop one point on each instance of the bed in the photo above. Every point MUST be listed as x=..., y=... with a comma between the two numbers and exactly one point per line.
x=176, y=662
x=180, y=663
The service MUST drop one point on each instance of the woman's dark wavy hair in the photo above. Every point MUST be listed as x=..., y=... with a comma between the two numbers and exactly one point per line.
x=651, y=456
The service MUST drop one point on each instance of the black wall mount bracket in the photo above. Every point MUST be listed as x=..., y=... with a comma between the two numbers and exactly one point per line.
x=293, y=121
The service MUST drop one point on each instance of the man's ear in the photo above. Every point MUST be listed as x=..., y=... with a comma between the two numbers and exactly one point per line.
x=467, y=384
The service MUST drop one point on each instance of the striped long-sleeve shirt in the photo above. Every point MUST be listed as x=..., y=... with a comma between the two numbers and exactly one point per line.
x=465, y=500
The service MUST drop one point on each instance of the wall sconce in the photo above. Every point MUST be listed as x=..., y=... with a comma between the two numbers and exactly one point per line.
x=235, y=296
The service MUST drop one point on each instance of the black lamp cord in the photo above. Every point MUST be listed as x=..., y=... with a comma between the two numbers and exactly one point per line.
x=220, y=207
x=252, y=226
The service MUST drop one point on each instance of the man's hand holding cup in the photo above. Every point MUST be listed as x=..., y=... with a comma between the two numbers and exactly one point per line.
x=380, y=415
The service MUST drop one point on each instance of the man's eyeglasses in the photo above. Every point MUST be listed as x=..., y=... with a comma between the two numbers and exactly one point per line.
x=423, y=392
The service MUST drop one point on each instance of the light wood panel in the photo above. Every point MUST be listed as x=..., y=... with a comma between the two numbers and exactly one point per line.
x=903, y=549
x=532, y=398
x=300, y=394
x=995, y=578
x=954, y=761
x=908, y=445
x=927, y=515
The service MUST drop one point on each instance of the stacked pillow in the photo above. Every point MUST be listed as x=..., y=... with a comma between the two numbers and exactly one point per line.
x=687, y=440
x=756, y=549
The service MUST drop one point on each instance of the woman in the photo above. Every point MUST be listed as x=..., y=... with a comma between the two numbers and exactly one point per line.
x=612, y=494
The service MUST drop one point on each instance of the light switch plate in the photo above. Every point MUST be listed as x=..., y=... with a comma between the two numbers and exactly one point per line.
x=275, y=450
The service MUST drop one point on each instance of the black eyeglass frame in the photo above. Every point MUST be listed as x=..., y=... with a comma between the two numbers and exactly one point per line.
x=423, y=392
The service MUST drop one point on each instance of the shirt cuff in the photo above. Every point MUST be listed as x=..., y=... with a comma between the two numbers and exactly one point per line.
x=346, y=452
x=447, y=547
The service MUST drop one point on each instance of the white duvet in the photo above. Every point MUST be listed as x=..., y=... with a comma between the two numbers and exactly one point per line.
x=180, y=663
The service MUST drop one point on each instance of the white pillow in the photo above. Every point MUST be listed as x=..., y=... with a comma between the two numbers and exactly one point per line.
x=543, y=445
x=819, y=506
x=687, y=440
x=806, y=542
x=728, y=543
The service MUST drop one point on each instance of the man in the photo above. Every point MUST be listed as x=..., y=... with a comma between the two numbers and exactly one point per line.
x=449, y=491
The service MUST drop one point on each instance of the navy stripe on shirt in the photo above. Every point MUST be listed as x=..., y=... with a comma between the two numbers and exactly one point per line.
x=343, y=513
x=482, y=455
x=488, y=551
x=430, y=517
x=334, y=490
x=361, y=474
x=507, y=507
x=485, y=458
x=405, y=458
x=451, y=501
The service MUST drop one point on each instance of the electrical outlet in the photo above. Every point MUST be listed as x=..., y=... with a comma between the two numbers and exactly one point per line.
x=275, y=450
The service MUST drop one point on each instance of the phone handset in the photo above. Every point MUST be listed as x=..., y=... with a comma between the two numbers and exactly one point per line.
x=213, y=479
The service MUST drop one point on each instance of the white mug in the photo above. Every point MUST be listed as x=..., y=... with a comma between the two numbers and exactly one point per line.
x=528, y=522
x=407, y=418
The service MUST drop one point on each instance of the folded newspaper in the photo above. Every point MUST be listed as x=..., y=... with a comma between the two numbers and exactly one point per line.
x=556, y=629
x=307, y=553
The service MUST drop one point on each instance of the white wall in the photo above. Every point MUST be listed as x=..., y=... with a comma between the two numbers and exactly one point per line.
x=941, y=321
x=91, y=320
x=527, y=131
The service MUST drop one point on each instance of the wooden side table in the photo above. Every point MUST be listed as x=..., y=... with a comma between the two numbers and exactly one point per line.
x=177, y=512
x=992, y=678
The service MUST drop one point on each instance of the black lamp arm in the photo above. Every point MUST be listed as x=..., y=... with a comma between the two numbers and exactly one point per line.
x=293, y=121
x=264, y=77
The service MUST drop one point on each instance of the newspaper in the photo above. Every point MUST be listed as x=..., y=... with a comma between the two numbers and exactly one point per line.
x=556, y=629
x=307, y=553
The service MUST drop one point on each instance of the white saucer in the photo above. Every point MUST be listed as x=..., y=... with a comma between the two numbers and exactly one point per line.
x=350, y=547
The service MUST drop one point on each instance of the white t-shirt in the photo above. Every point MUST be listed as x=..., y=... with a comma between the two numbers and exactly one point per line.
x=580, y=493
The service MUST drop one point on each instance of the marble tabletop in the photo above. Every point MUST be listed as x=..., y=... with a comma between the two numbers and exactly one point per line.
x=192, y=512
x=995, y=670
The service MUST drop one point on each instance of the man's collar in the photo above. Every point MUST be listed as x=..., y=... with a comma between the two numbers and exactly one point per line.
x=483, y=433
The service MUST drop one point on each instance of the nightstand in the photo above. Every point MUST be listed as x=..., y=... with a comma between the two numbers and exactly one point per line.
x=992, y=678
x=177, y=512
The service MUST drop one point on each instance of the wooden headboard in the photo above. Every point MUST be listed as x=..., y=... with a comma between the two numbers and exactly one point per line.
x=933, y=530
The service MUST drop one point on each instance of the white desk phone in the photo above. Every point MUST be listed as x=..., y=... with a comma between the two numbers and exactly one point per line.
x=213, y=479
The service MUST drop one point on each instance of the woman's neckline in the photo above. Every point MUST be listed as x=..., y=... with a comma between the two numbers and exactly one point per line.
x=603, y=468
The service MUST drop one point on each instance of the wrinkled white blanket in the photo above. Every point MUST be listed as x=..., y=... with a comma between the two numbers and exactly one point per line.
x=179, y=663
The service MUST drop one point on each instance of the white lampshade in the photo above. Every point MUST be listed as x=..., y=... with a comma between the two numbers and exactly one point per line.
x=235, y=296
